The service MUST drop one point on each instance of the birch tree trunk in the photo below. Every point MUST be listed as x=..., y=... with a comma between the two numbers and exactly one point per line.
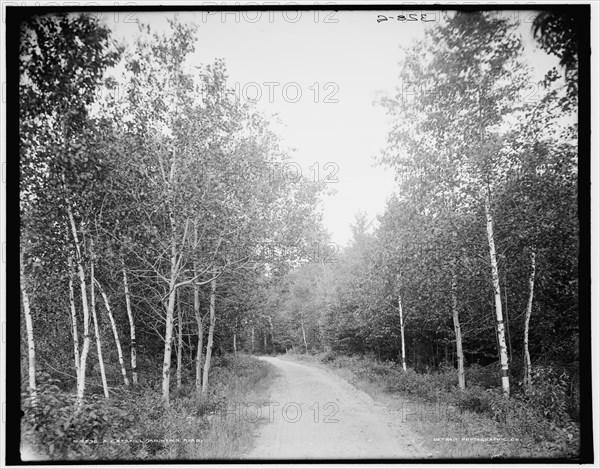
x=86, y=311
x=166, y=372
x=199, y=321
x=86, y=334
x=457, y=333
x=179, y=340
x=172, y=284
x=304, y=335
x=29, y=329
x=403, y=346
x=200, y=337
x=97, y=330
x=506, y=310
x=235, y=343
x=211, y=330
x=115, y=333
x=74, y=319
x=527, y=364
x=252, y=340
x=497, y=298
x=134, y=373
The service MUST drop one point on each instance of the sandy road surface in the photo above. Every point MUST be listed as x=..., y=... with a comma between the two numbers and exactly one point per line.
x=314, y=414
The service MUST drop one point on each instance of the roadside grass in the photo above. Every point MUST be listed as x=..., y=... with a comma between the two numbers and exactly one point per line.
x=476, y=423
x=134, y=425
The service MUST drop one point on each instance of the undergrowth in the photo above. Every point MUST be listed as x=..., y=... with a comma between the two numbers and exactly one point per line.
x=478, y=422
x=133, y=424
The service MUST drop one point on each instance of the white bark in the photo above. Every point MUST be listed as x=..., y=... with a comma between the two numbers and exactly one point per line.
x=172, y=285
x=497, y=298
x=457, y=333
x=166, y=372
x=113, y=325
x=97, y=332
x=29, y=329
x=403, y=345
x=179, y=341
x=304, y=335
x=134, y=373
x=74, y=319
x=510, y=349
x=527, y=364
x=86, y=333
x=211, y=330
x=170, y=305
x=199, y=321
x=200, y=337
x=86, y=311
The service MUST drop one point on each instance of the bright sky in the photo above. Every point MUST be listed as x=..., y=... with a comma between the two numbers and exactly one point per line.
x=340, y=62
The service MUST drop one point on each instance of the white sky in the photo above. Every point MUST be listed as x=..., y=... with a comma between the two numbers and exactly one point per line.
x=348, y=50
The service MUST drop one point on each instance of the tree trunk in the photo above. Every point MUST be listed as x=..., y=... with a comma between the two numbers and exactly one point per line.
x=74, y=319
x=497, y=298
x=191, y=354
x=179, y=340
x=166, y=372
x=457, y=332
x=235, y=343
x=200, y=337
x=199, y=321
x=86, y=311
x=86, y=333
x=507, y=319
x=527, y=364
x=211, y=331
x=134, y=373
x=97, y=330
x=304, y=336
x=115, y=333
x=493, y=314
x=271, y=333
x=252, y=335
x=30, y=338
x=402, y=343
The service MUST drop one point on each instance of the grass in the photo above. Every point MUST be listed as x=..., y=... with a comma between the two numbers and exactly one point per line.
x=476, y=423
x=134, y=425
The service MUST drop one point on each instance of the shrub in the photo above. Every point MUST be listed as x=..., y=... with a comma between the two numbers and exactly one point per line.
x=57, y=429
x=57, y=425
x=445, y=378
x=484, y=376
x=549, y=392
x=474, y=399
x=328, y=356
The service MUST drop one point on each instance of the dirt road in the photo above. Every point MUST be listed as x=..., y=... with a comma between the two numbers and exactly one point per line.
x=314, y=414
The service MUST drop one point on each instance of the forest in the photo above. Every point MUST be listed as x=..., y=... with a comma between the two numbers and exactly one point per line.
x=165, y=241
